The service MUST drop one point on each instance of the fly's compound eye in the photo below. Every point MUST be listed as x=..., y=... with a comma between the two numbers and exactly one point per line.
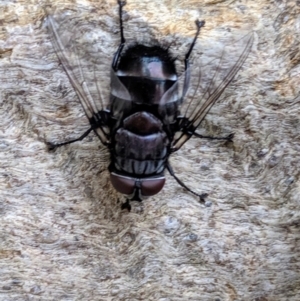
x=146, y=187
x=122, y=184
x=153, y=186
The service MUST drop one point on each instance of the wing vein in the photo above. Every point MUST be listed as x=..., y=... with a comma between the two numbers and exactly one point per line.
x=200, y=114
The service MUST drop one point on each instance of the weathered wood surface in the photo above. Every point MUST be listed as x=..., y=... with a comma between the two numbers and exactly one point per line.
x=63, y=235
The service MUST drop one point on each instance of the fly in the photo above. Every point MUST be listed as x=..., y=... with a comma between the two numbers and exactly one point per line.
x=143, y=124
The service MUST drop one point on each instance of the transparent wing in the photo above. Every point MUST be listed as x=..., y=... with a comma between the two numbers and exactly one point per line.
x=213, y=77
x=71, y=40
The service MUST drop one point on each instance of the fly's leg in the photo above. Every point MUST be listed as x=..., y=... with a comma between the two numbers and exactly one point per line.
x=187, y=75
x=201, y=196
x=126, y=205
x=199, y=24
x=228, y=138
x=52, y=146
x=122, y=43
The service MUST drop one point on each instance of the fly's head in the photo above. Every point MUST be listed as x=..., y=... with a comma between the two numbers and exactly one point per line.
x=137, y=189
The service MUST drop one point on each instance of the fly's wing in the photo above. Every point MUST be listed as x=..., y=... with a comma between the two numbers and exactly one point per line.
x=70, y=40
x=213, y=76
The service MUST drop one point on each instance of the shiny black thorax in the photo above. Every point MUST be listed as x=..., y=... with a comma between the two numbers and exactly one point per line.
x=142, y=124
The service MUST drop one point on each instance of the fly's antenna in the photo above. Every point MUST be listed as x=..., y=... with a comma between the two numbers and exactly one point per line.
x=199, y=24
x=122, y=42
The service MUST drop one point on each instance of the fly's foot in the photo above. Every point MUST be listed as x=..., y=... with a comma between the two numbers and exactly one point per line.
x=199, y=23
x=121, y=3
x=203, y=200
x=126, y=205
x=230, y=137
x=202, y=197
x=51, y=146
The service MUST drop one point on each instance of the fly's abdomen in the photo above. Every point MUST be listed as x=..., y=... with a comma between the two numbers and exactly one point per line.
x=140, y=145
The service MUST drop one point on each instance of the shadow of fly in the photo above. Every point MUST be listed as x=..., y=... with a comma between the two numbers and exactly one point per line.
x=143, y=124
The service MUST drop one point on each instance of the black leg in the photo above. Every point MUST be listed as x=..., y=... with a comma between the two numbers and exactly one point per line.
x=52, y=146
x=187, y=58
x=228, y=138
x=122, y=43
x=126, y=205
x=201, y=196
x=199, y=24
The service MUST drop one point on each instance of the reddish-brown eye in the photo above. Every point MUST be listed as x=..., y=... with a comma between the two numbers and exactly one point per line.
x=139, y=187
x=122, y=184
x=152, y=186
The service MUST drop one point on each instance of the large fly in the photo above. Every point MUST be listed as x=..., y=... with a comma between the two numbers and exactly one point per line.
x=143, y=124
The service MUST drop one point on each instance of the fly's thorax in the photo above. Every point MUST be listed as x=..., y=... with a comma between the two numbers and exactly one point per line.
x=140, y=145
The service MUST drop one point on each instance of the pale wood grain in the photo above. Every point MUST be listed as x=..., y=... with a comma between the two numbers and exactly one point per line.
x=63, y=235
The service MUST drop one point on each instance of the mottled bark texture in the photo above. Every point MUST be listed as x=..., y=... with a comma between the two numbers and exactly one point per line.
x=63, y=235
